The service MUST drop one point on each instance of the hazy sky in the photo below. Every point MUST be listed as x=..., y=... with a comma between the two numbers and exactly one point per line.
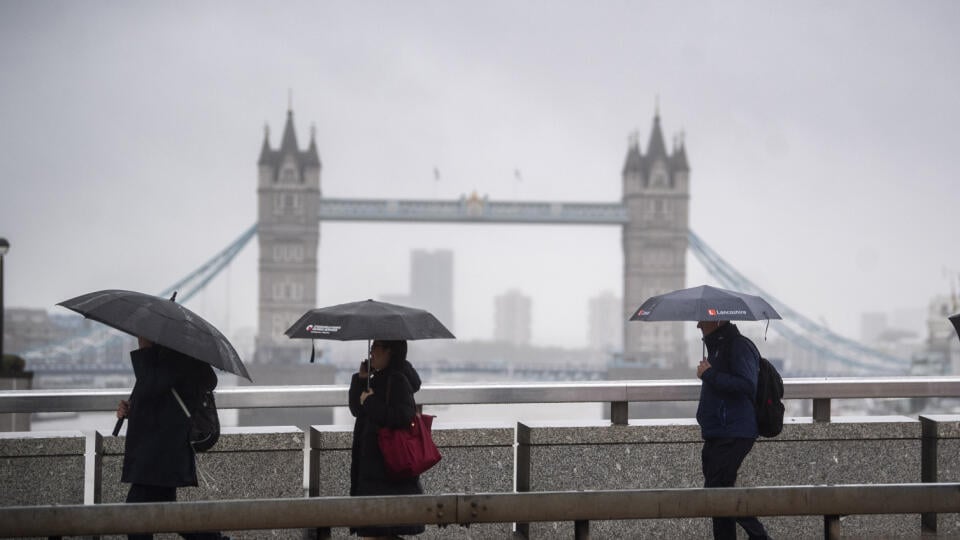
x=823, y=139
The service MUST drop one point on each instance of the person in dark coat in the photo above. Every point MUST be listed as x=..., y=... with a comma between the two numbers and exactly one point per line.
x=381, y=399
x=726, y=414
x=157, y=455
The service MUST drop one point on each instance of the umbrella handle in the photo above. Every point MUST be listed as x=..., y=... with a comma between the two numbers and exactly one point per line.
x=116, y=427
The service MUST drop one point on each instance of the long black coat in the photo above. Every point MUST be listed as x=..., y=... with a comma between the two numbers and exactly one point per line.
x=368, y=474
x=158, y=451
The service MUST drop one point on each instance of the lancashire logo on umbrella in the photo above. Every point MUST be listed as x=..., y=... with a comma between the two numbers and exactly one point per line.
x=320, y=329
x=714, y=313
x=641, y=313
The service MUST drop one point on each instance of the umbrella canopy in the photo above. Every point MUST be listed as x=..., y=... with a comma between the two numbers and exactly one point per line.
x=955, y=319
x=368, y=319
x=705, y=303
x=161, y=321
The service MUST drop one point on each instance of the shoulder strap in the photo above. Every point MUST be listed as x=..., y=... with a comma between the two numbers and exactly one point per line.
x=180, y=401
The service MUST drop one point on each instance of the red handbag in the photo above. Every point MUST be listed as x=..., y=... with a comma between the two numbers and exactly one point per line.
x=408, y=452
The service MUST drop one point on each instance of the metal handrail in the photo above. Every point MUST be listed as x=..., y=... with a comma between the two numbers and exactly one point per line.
x=818, y=389
x=465, y=509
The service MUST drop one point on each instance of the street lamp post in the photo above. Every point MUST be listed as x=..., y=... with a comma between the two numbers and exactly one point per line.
x=4, y=247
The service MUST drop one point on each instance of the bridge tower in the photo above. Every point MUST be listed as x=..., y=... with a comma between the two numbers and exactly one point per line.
x=656, y=193
x=288, y=194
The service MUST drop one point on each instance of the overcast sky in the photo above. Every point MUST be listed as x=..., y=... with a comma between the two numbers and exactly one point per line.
x=823, y=140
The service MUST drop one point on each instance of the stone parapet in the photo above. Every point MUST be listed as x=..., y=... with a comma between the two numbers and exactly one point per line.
x=660, y=454
x=476, y=459
x=41, y=468
x=246, y=463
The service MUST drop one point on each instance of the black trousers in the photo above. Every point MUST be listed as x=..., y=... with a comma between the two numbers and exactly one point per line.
x=144, y=493
x=721, y=460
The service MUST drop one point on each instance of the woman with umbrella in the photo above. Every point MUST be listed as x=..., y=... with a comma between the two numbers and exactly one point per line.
x=176, y=349
x=381, y=396
x=381, y=392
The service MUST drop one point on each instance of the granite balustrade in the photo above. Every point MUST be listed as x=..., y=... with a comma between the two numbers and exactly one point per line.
x=660, y=454
x=41, y=468
x=475, y=460
x=246, y=463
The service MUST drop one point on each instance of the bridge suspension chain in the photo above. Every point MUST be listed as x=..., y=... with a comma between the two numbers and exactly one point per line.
x=797, y=328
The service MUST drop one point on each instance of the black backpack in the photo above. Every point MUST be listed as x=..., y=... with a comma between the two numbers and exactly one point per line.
x=204, y=420
x=769, y=403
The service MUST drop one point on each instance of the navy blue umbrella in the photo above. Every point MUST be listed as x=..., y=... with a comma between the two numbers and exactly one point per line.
x=705, y=303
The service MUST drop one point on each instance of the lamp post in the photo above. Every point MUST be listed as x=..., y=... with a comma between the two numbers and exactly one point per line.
x=4, y=248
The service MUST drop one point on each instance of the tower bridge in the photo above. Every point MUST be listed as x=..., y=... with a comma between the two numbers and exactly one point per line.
x=653, y=215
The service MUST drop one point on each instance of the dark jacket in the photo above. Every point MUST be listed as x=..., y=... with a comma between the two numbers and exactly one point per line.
x=157, y=451
x=729, y=387
x=368, y=474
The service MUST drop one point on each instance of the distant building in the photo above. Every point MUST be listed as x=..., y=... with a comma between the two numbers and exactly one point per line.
x=656, y=193
x=431, y=283
x=512, y=318
x=30, y=328
x=943, y=347
x=605, y=326
x=288, y=193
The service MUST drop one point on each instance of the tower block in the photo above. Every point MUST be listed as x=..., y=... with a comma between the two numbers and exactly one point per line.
x=656, y=193
x=288, y=195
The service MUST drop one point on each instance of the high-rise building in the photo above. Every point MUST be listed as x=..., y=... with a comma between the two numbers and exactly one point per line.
x=512, y=318
x=288, y=193
x=656, y=192
x=431, y=283
x=605, y=326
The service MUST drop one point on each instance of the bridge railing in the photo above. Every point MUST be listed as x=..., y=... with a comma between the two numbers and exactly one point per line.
x=618, y=393
x=581, y=507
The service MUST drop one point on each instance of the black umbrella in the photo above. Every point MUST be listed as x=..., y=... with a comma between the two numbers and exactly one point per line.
x=705, y=303
x=955, y=319
x=368, y=320
x=161, y=321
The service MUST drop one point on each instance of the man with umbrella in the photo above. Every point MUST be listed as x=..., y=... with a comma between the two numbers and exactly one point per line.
x=729, y=371
x=726, y=414
x=172, y=365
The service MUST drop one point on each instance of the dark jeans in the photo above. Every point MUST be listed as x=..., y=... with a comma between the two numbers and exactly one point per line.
x=721, y=461
x=144, y=493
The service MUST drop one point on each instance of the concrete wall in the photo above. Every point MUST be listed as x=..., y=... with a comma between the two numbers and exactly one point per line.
x=666, y=454
x=475, y=460
x=246, y=463
x=941, y=450
x=39, y=468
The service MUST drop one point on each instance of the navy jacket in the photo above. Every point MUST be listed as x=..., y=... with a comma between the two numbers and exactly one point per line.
x=729, y=387
x=157, y=446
